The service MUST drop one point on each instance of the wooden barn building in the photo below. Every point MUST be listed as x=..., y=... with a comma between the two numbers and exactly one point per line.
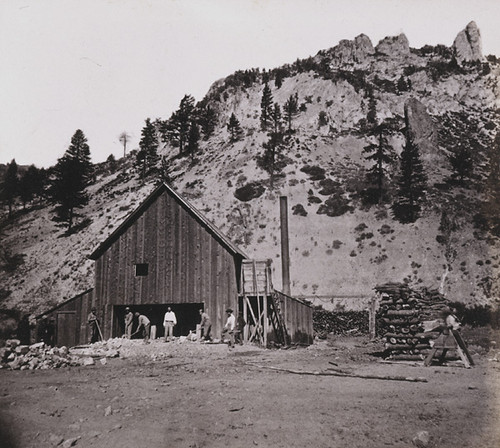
x=166, y=253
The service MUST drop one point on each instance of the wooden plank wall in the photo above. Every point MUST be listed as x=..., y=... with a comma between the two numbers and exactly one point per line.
x=187, y=264
x=80, y=305
x=298, y=318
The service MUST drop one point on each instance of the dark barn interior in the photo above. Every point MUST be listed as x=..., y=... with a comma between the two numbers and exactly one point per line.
x=187, y=315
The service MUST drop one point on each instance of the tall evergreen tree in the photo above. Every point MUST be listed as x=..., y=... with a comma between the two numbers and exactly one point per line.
x=291, y=110
x=193, y=143
x=491, y=206
x=379, y=153
x=10, y=185
x=462, y=163
x=71, y=176
x=80, y=150
x=208, y=121
x=124, y=139
x=30, y=184
x=412, y=183
x=177, y=127
x=234, y=129
x=272, y=159
x=147, y=156
x=266, y=106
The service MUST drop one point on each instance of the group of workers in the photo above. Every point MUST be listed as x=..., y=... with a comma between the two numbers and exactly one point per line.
x=233, y=328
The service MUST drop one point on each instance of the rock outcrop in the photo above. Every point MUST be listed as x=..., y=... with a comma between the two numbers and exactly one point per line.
x=423, y=129
x=467, y=44
x=353, y=51
x=394, y=46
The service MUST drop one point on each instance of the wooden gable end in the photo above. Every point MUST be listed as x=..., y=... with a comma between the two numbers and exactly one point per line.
x=184, y=259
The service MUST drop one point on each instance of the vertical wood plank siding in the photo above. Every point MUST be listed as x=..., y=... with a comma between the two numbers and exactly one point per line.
x=80, y=305
x=186, y=263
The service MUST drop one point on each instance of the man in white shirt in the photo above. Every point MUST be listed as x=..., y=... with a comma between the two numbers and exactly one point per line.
x=169, y=322
x=229, y=327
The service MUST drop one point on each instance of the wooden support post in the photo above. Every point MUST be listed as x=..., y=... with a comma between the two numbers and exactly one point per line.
x=266, y=329
x=372, y=325
x=245, y=316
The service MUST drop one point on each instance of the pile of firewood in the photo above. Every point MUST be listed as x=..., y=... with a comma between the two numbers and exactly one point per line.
x=339, y=323
x=405, y=319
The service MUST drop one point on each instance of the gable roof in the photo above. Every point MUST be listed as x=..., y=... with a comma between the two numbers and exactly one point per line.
x=163, y=187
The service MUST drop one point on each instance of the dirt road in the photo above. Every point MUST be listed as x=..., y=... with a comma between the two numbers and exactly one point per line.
x=194, y=395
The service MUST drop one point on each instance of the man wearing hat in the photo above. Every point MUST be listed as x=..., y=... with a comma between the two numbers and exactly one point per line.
x=129, y=318
x=92, y=323
x=229, y=327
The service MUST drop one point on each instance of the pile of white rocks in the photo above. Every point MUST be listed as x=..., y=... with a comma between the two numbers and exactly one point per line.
x=40, y=356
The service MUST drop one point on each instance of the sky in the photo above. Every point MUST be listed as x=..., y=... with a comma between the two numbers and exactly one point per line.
x=104, y=66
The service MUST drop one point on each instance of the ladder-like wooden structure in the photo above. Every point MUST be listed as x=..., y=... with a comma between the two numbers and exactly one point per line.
x=261, y=304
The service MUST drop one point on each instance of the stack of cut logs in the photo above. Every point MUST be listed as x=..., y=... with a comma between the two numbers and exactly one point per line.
x=402, y=317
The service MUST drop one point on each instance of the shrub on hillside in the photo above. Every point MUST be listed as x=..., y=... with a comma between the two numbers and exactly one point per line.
x=314, y=172
x=335, y=205
x=299, y=210
x=249, y=191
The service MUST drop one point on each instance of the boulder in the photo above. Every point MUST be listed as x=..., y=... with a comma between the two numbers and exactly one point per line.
x=467, y=45
x=394, y=46
x=422, y=439
x=88, y=361
x=22, y=349
x=12, y=343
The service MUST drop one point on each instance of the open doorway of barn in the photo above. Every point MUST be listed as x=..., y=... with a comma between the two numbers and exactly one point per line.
x=187, y=314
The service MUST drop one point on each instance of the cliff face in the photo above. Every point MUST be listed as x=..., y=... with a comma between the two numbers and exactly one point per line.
x=340, y=244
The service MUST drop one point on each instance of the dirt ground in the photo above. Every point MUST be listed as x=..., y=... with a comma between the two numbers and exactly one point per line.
x=194, y=395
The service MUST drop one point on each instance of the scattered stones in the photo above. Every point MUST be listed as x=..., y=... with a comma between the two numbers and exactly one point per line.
x=108, y=411
x=422, y=439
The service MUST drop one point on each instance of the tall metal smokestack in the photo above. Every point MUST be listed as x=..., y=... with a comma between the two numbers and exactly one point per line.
x=285, y=250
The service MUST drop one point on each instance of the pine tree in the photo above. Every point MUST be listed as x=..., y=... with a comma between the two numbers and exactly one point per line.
x=411, y=184
x=491, y=206
x=193, y=145
x=266, y=105
x=208, y=121
x=272, y=160
x=371, y=115
x=462, y=163
x=10, y=185
x=124, y=139
x=234, y=129
x=30, y=184
x=177, y=127
x=379, y=153
x=147, y=157
x=72, y=174
x=291, y=110
x=79, y=150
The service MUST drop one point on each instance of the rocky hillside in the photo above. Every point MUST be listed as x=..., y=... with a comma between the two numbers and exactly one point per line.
x=340, y=244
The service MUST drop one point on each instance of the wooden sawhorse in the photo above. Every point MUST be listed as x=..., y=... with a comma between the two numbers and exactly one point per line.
x=449, y=340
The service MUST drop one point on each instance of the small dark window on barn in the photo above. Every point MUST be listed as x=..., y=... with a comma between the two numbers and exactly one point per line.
x=141, y=269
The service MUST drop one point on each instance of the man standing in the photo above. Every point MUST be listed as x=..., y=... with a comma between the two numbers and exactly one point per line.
x=240, y=325
x=206, y=326
x=169, y=322
x=229, y=327
x=129, y=319
x=145, y=324
x=93, y=323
